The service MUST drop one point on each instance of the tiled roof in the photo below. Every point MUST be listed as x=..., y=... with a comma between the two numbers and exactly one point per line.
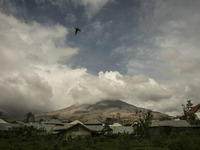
x=193, y=109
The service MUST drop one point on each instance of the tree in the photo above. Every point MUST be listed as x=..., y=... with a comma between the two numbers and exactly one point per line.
x=185, y=114
x=118, y=116
x=29, y=117
x=142, y=128
x=191, y=118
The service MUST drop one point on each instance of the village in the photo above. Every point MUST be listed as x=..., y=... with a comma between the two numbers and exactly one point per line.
x=189, y=121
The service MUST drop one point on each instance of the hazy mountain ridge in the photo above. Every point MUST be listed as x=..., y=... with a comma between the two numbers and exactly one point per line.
x=100, y=110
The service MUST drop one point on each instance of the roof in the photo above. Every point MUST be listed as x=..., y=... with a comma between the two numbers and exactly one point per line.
x=122, y=129
x=72, y=126
x=7, y=126
x=92, y=128
x=193, y=109
x=171, y=123
x=2, y=121
x=18, y=122
x=53, y=121
x=116, y=125
x=95, y=128
x=75, y=122
x=60, y=127
x=93, y=122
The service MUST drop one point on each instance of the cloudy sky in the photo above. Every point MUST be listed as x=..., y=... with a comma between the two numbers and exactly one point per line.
x=145, y=52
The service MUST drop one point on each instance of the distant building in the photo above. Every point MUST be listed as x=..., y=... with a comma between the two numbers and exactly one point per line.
x=75, y=130
x=168, y=126
x=7, y=126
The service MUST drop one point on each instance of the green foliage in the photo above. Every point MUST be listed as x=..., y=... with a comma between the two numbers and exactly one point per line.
x=184, y=141
x=158, y=141
x=144, y=124
x=192, y=119
x=16, y=139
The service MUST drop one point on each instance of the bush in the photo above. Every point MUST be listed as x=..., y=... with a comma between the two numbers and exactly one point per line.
x=182, y=143
x=158, y=141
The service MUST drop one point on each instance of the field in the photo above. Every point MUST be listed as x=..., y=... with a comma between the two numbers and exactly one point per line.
x=29, y=139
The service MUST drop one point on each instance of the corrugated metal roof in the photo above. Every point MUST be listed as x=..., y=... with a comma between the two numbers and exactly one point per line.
x=90, y=127
x=60, y=127
x=95, y=128
x=18, y=122
x=7, y=126
x=2, y=121
x=93, y=122
x=171, y=123
x=53, y=121
x=122, y=129
x=75, y=122
x=116, y=125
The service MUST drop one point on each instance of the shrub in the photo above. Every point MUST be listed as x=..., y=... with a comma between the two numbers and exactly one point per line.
x=158, y=141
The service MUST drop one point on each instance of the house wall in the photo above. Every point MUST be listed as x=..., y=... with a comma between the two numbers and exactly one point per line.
x=77, y=131
x=198, y=114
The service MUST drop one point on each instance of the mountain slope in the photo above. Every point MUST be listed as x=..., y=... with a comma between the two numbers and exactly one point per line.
x=115, y=109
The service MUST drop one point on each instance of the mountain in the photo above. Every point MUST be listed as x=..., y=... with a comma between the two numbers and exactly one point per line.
x=107, y=109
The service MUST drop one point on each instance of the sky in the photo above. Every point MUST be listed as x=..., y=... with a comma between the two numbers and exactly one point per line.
x=144, y=52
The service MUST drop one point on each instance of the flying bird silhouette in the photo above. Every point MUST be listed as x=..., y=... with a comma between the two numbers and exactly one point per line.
x=76, y=30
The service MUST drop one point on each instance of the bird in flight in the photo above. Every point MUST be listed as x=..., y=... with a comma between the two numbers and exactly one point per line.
x=76, y=30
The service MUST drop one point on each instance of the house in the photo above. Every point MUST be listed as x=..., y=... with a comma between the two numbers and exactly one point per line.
x=18, y=122
x=97, y=130
x=168, y=126
x=82, y=130
x=49, y=126
x=7, y=126
x=195, y=110
x=75, y=130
